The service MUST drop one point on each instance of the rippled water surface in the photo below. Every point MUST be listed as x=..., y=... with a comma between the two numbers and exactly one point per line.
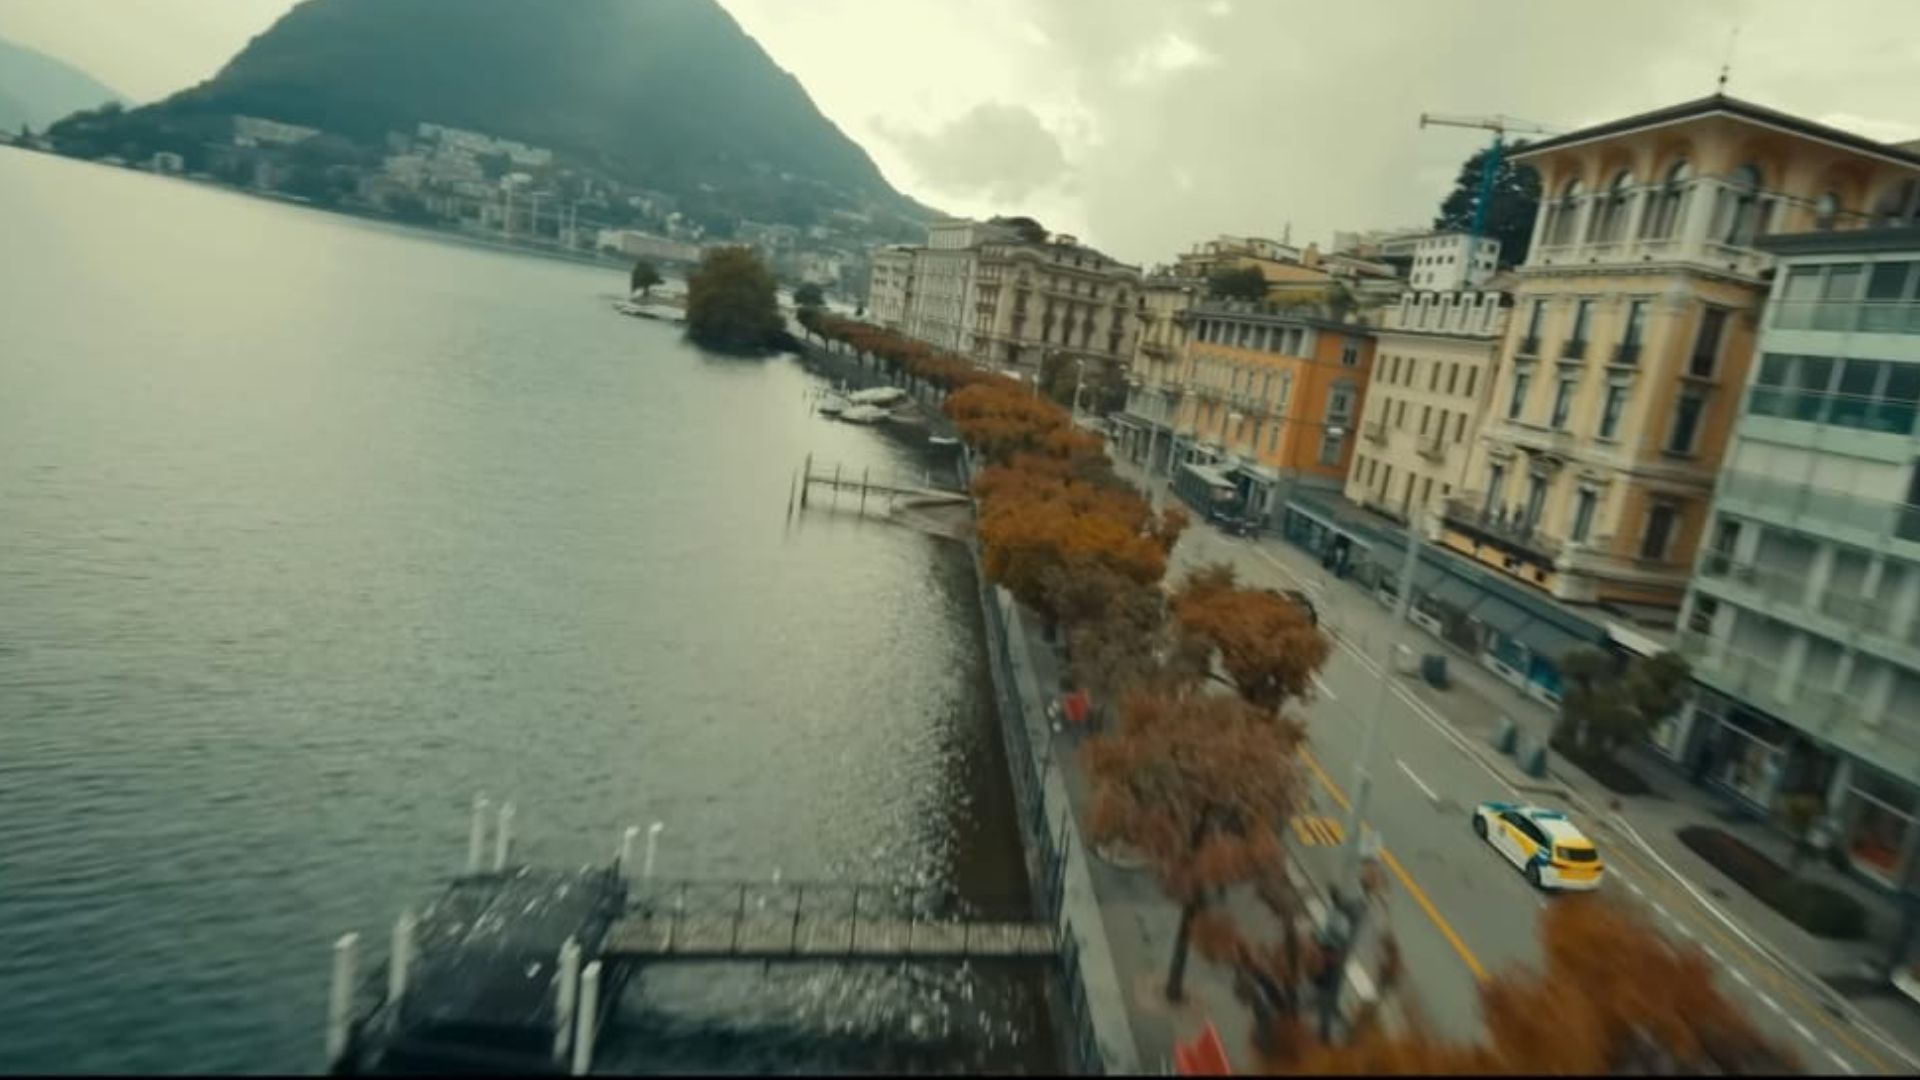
x=310, y=529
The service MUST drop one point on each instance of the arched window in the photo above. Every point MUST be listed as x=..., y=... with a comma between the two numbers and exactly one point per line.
x=1826, y=211
x=1663, y=217
x=1610, y=216
x=1899, y=205
x=1742, y=211
x=1565, y=210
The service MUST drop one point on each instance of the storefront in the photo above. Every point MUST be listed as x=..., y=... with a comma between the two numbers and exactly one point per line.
x=1745, y=752
x=1877, y=815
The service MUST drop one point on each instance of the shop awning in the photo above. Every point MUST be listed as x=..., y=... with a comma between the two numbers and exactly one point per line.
x=1502, y=616
x=1454, y=592
x=1548, y=640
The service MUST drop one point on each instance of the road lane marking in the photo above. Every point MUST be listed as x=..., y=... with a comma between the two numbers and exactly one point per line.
x=1431, y=797
x=1419, y=895
x=1315, y=831
x=1755, y=953
x=1743, y=948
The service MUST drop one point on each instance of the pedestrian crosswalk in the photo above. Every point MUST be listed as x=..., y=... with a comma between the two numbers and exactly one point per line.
x=1315, y=831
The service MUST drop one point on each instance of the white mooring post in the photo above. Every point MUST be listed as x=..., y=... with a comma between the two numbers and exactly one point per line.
x=401, y=959
x=568, y=992
x=503, y=841
x=477, y=835
x=623, y=865
x=340, y=996
x=589, y=1013
x=653, y=847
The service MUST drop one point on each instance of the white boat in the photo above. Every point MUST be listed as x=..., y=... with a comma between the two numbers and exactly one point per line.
x=625, y=307
x=864, y=414
x=942, y=440
x=879, y=395
x=832, y=405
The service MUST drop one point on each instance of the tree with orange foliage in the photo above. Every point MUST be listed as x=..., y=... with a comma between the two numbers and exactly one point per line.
x=1614, y=996
x=1200, y=786
x=1266, y=643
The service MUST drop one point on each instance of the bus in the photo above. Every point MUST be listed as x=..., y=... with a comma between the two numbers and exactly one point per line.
x=1208, y=491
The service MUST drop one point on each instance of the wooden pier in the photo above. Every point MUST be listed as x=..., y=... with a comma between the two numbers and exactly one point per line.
x=896, y=492
x=514, y=969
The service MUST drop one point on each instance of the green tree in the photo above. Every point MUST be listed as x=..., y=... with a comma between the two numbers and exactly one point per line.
x=731, y=304
x=1604, y=706
x=809, y=295
x=1516, y=199
x=1029, y=230
x=1237, y=283
x=645, y=277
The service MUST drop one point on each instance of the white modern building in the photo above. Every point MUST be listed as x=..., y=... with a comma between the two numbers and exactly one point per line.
x=1447, y=261
x=1803, y=620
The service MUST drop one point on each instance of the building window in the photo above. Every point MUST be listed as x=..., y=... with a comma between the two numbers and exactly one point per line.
x=1386, y=479
x=1636, y=330
x=1520, y=381
x=1700, y=619
x=1661, y=518
x=1330, y=445
x=1610, y=216
x=1426, y=416
x=1563, y=401
x=1400, y=417
x=1610, y=411
x=1565, y=210
x=1686, y=423
x=1583, y=503
x=1412, y=363
x=1743, y=213
x=1663, y=218
x=1350, y=355
x=1459, y=427
x=1496, y=479
x=1705, y=358
x=1577, y=337
x=1433, y=375
x=1473, y=373
x=1826, y=212
x=1530, y=344
x=1883, y=812
x=1453, y=377
x=1536, y=501
x=1393, y=367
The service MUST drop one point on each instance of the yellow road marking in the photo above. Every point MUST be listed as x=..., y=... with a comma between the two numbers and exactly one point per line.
x=1419, y=895
x=1316, y=831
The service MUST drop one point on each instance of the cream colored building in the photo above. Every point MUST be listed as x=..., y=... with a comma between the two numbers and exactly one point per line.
x=1155, y=376
x=1632, y=334
x=1035, y=299
x=889, y=285
x=1432, y=371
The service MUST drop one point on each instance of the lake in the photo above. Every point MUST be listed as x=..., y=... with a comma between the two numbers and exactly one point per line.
x=313, y=528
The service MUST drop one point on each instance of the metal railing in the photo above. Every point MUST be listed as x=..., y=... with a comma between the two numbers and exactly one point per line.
x=1864, y=412
x=1433, y=446
x=1626, y=354
x=1529, y=346
x=1851, y=609
x=1573, y=349
x=1811, y=508
x=1467, y=512
x=790, y=918
x=1848, y=316
x=1756, y=678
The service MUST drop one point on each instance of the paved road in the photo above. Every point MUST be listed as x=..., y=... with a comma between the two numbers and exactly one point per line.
x=1458, y=910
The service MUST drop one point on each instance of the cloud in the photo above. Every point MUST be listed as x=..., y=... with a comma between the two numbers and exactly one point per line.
x=996, y=150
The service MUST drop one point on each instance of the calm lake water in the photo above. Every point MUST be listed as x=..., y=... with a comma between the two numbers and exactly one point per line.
x=310, y=529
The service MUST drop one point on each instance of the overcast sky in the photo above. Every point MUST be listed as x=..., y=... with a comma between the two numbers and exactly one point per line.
x=1145, y=125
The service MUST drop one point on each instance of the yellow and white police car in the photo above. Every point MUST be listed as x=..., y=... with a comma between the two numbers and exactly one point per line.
x=1542, y=843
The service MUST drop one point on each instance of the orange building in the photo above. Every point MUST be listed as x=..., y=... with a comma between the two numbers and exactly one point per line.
x=1268, y=397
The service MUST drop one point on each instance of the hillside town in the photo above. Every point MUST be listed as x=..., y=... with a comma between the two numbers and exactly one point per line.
x=1683, y=420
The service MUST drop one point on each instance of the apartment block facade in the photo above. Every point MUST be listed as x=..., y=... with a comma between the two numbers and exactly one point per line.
x=1434, y=356
x=1633, y=329
x=889, y=285
x=1803, y=622
x=1447, y=261
x=1039, y=299
x=1266, y=396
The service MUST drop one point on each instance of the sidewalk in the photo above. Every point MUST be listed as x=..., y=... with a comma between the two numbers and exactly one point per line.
x=1141, y=923
x=1477, y=700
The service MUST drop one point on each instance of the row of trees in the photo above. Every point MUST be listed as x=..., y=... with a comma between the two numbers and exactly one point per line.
x=1196, y=768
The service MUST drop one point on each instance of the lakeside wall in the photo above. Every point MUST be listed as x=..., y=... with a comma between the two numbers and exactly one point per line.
x=1088, y=998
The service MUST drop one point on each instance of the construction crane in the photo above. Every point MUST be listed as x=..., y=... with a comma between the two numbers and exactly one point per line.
x=1500, y=126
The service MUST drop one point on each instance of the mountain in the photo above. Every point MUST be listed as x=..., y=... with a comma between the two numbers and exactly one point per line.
x=36, y=89
x=665, y=94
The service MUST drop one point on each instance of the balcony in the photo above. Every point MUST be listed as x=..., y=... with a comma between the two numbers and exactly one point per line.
x=1573, y=350
x=1375, y=431
x=1468, y=514
x=1848, y=316
x=1534, y=437
x=1756, y=679
x=1529, y=346
x=1815, y=510
x=1433, y=447
x=1626, y=354
x=1857, y=411
x=1743, y=261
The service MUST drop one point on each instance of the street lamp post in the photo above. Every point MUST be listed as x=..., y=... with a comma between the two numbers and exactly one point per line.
x=1362, y=769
